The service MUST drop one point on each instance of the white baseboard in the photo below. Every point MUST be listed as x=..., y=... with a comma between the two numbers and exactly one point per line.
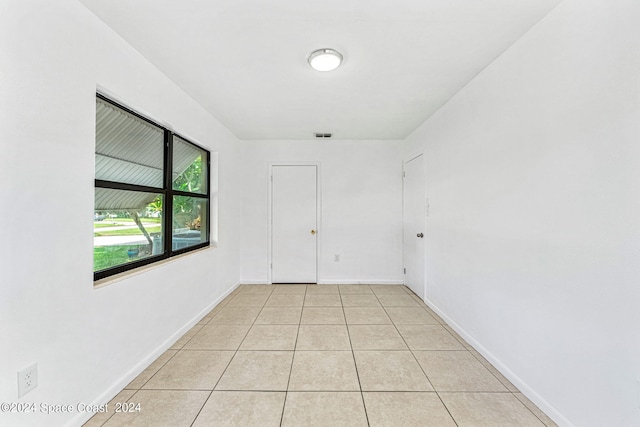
x=359, y=282
x=530, y=393
x=120, y=384
x=334, y=282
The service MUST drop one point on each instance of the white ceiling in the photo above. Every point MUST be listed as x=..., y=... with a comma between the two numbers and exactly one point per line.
x=245, y=61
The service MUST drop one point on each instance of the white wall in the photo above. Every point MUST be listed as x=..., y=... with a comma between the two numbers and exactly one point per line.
x=533, y=237
x=88, y=342
x=361, y=212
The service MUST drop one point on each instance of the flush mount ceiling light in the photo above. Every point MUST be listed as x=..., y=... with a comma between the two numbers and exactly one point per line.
x=325, y=59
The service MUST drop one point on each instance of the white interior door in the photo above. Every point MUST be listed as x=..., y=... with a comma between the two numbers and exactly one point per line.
x=294, y=228
x=414, y=225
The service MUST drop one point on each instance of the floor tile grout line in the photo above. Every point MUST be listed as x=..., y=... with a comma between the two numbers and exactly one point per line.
x=398, y=331
x=488, y=392
x=544, y=413
x=477, y=357
x=158, y=370
x=293, y=357
x=425, y=374
x=490, y=371
x=222, y=304
x=414, y=357
x=430, y=349
x=353, y=355
x=276, y=390
x=232, y=357
x=529, y=409
x=177, y=350
x=469, y=351
x=421, y=367
x=112, y=414
x=240, y=344
x=438, y=391
x=384, y=309
x=201, y=408
x=446, y=408
x=427, y=377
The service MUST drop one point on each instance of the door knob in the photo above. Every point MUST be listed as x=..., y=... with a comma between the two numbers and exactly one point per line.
x=313, y=231
x=420, y=235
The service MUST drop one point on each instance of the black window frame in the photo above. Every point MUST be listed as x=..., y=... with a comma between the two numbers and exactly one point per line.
x=168, y=194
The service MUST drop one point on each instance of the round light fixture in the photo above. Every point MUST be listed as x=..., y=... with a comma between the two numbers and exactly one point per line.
x=325, y=59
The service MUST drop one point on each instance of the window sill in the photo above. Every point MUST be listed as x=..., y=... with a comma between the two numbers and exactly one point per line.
x=141, y=270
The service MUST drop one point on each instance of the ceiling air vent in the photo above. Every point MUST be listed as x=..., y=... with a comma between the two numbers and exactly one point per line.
x=322, y=135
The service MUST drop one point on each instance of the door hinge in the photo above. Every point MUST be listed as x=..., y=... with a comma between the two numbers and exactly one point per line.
x=404, y=174
x=271, y=178
x=405, y=270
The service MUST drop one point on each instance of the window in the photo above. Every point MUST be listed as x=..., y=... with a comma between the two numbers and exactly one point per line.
x=152, y=195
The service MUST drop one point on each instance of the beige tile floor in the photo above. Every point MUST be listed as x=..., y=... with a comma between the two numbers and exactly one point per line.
x=322, y=355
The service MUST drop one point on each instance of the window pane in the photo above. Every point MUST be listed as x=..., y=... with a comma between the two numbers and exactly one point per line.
x=128, y=149
x=127, y=227
x=189, y=167
x=189, y=222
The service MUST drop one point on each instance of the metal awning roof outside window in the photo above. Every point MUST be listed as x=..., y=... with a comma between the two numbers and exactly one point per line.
x=131, y=150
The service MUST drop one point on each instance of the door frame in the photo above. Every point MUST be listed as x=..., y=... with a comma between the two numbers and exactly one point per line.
x=317, y=164
x=426, y=214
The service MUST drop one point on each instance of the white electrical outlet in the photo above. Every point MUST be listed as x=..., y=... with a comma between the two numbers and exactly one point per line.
x=336, y=258
x=27, y=379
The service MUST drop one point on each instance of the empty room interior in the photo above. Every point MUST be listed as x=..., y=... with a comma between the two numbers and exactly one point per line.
x=320, y=213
